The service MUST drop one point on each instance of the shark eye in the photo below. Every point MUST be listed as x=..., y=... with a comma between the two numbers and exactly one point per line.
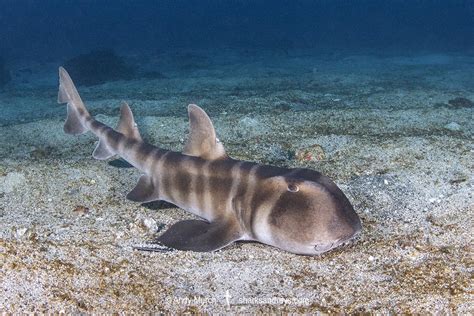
x=293, y=187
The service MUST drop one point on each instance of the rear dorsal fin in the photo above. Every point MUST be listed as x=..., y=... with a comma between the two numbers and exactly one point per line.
x=127, y=125
x=202, y=141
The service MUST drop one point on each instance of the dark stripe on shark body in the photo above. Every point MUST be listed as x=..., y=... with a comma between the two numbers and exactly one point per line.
x=183, y=179
x=170, y=167
x=83, y=112
x=220, y=183
x=199, y=184
x=154, y=160
x=260, y=197
x=286, y=202
x=265, y=193
x=241, y=196
x=266, y=171
x=183, y=175
x=114, y=139
x=143, y=151
x=97, y=126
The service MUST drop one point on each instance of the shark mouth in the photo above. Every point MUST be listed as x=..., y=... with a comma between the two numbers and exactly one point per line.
x=339, y=243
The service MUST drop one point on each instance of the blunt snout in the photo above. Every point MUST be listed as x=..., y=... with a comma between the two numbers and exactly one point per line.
x=346, y=232
x=326, y=246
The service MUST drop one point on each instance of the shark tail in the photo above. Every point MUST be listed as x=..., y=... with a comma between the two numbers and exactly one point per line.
x=77, y=114
x=80, y=121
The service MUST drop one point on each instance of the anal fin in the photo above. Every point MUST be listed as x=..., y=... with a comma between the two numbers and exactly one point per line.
x=73, y=124
x=144, y=191
x=101, y=151
x=200, y=236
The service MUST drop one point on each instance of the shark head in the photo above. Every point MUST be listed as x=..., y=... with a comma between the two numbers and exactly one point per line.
x=312, y=215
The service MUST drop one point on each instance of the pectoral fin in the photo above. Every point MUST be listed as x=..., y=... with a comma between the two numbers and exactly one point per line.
x=200, y=236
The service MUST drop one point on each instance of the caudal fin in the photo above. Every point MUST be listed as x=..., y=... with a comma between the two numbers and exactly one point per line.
x=77, y=113
x=79, y=120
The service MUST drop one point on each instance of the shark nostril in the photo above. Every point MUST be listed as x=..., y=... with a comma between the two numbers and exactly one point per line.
x=323, y=247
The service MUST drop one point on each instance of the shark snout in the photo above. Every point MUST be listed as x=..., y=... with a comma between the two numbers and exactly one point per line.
x=323, y=247
x=343, y=240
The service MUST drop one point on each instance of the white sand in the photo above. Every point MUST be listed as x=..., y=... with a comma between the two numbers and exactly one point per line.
x=66, y=230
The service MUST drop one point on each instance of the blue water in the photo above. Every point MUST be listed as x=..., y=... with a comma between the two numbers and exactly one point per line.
x=38, y=36
x=51, y=29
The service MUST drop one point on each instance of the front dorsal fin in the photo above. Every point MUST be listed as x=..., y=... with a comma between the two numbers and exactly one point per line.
x=127, y=125
x=202, y=141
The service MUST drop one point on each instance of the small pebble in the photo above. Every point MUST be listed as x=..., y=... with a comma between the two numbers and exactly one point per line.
x=310, y=153
x=25, y=233
x=12, y=181
x=80, y=210
x=453, y=126
x=249, y=122
x=21, y=231
x=146, y=223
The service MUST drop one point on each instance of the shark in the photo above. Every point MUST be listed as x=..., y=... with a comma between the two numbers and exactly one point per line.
x=297, y=210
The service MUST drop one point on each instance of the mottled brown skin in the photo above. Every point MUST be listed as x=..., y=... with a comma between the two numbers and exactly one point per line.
x=297, y=210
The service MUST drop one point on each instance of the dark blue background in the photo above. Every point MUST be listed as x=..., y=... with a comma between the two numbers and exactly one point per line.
x=43, y=29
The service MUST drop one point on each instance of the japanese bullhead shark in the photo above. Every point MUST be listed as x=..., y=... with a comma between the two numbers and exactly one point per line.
x=297, y=210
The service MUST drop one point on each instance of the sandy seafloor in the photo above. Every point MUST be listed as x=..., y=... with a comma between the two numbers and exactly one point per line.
x=380, y=126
